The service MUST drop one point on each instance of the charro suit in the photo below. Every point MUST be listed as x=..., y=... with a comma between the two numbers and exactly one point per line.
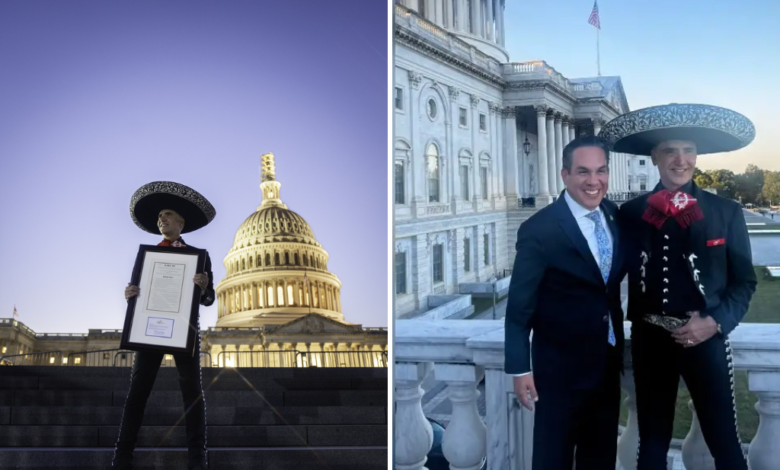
x=558, y=292
x=706, y=267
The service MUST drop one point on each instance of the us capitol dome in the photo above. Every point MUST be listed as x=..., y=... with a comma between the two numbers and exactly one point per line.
x=276, y=271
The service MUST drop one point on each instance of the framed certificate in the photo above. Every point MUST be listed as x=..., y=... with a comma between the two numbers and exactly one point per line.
x=158, y=319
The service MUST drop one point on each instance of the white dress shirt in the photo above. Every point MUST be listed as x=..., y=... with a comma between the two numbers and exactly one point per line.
x=588, y=229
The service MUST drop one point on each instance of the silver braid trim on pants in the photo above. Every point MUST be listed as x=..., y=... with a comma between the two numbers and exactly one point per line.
x=202, y=397
x=730, y=361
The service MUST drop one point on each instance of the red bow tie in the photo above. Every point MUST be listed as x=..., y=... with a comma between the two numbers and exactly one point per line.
x=175, y=243
x=679, y=205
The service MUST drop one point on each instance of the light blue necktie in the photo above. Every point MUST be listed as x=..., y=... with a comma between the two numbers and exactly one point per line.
x=605, y=255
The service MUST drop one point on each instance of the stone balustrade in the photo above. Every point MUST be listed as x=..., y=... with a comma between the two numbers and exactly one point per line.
x=462, y=352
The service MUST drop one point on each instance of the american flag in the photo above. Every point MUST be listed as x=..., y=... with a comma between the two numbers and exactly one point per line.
x=16, y=314
x=594, y=15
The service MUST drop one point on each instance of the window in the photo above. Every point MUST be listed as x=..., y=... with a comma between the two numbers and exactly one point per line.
x=276, y=259
x=286, y=258
x=438, y=259
x=483, y=181
x=399, y=98
x=400, y=273
x=482, y=122
x=400, y=197
x=486, y=238
x=289, y=295
x=463, y=117
x=431, y=108
x=466, y=254
x=642, y=187
x=279, y=296
x=432, y=164
x=641, y=162
x=270, y=296
x=464, y=182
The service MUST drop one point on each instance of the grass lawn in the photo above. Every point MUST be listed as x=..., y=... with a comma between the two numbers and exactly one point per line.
x=763, y=309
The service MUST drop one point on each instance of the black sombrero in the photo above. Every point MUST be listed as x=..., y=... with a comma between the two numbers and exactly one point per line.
x=712, y=128
x=150, y=199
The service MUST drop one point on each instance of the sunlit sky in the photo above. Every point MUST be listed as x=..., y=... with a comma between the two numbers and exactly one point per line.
x=717, y=52
x=98, y=98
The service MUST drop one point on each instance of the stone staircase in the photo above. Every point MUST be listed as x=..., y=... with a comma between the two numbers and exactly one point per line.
x=269, y=418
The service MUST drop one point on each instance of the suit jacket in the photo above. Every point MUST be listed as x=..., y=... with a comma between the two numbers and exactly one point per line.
x=719, y=257
x=557, y=291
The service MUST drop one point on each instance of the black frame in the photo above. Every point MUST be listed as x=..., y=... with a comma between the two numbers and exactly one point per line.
x=125, y=342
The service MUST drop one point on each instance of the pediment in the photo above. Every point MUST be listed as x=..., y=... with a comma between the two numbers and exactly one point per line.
x=314, y=324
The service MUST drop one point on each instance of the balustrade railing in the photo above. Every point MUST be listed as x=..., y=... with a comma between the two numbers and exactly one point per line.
x=463, y=352
x=42, y=358
x=293, y=358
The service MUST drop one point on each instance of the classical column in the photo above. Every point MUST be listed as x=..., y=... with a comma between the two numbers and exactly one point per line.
x=552, y=178
x=501, y=7
x=490, y=31
x=418, y=196
x=572, y=129
x=474, y=18
x=597, y=123
x=541, y=163
x=565, y=130
x=510, y=156
x=558, y=152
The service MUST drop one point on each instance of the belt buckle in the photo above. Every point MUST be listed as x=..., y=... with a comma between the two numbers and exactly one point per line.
x=668, y=323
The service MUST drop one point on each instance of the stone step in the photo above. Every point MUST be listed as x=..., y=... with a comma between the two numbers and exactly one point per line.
x=172, y=416
x=312, y=458
x=262, y=399
x=216, y=436
x=208, y=372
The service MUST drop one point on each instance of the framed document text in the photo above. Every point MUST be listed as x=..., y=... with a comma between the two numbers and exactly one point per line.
x=158, y=319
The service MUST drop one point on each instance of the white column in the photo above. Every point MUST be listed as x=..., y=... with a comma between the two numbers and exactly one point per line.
x=552, y=178
x=565, y=130
x=764, y=453
x=491, y=36
x=474, y=18
x=418, y=194
x=558, y=152
x=498, y=159
x=464, y=444
x=510, y=156
x=413, y=433
x=501, y=16
x=541, y=164
x=572, y=130
x=695, y=453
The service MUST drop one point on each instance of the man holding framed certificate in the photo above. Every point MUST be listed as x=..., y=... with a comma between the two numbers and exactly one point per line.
x=163, y=311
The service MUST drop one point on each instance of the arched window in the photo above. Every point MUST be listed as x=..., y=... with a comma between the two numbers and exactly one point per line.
x=305, y=260
x=270, y=296
x=296, y=259
x=251, y=259
x=268, y=259
x=432, y=172
x=243, y=264
x=280, y=296
x=276, y=259
x=287, y=258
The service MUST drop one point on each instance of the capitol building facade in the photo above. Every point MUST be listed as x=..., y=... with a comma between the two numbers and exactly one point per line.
x=478, y=145
x=278, y=306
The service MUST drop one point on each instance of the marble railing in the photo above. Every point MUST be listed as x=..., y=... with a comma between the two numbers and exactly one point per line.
x=462, y=352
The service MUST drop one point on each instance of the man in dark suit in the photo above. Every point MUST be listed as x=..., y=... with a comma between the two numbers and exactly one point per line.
x=169, y=209
x=566, y=288
x=691, y=277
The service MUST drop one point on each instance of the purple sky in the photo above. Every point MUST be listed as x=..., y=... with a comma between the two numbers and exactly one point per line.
x=98, y=98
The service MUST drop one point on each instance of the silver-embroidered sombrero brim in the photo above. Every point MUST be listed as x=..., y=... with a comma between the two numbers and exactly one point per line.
x=150, y=199
x=712, y=128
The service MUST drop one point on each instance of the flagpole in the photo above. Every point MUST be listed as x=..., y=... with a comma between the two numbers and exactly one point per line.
x=598, y=52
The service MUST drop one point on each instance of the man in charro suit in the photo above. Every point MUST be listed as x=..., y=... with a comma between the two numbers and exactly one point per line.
x=691, y=277
x=566, y=288
x=170, y=209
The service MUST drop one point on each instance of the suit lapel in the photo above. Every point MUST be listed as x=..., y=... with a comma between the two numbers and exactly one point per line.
x=613, y=229
x=572, y=230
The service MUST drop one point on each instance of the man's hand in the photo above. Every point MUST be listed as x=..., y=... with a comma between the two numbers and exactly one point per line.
x=697, y=330
x=201, y=280
x=131, y=291
x=523, y=386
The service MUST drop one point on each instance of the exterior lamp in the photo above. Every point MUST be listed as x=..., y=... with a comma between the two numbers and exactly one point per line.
x=526, y=146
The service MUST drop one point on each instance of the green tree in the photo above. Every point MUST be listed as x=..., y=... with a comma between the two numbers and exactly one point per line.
x=771, y=187
x=702, y=179
x=749, y=185
x=725, y=181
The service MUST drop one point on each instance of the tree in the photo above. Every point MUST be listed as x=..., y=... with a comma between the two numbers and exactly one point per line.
x=748, y=187
x=702, y=179
x=771, y=187
x=724, y=181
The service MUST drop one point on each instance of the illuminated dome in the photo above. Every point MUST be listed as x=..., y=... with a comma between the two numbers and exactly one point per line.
x=276, y=271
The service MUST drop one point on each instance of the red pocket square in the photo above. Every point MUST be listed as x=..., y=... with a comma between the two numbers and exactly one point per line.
x=719, y=241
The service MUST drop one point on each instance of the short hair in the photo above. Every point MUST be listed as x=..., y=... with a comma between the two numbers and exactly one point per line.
x=584, y=141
